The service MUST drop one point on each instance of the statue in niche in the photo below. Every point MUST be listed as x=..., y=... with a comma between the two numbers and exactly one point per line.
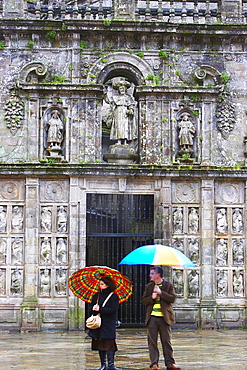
x=17, y=251
x=46, y=218
x=45, y=283
x=221, y=221
x=119, y=114
x=193, y=280
x=61, y=282
x=46, y=250
x=16, y=282
x=222, y=284
x=55, y=131
x=17, y=219
x=221, y=254
x=179, y=244
x=178, y=221
x=238, y=284
x=238, y=251
x=178, y=283
x=61, y=251
x=62, y=219
x=237, y=221
x=2, y=282
x=193, y=221
x=3, y=221
x=193, y=247
x=186, y=133
x=3, y=249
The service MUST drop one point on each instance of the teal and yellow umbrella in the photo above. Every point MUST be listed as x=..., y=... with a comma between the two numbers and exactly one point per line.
x=157, y=254
x=84, y=283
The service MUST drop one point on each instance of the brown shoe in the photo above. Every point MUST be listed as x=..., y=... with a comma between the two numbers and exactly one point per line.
x=155, y=367
x=173, y=367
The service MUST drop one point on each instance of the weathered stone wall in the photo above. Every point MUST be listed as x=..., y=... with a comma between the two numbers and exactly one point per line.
x=178, y=69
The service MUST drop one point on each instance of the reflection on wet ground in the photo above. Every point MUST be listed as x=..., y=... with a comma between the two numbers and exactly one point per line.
x=215, y=349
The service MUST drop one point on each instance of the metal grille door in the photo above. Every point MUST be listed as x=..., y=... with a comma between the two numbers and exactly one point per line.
x=117, y=224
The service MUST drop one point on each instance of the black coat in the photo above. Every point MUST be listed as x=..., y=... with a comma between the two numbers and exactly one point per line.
x=108, y=315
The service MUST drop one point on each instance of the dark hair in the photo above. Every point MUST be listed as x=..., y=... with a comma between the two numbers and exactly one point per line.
x=158, y=270
x=109, y=282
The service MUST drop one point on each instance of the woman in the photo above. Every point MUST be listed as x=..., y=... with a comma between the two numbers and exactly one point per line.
x=103, y=339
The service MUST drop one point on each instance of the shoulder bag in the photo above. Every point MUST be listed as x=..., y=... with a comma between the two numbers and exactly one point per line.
x=94, y=321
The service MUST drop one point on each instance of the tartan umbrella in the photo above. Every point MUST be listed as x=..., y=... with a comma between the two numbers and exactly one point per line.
x=84, y=283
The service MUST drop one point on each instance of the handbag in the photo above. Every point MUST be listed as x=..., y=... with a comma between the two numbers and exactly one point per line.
x=94, y=321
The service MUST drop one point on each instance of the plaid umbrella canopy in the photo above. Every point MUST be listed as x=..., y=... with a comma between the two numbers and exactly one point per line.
x=84, y=283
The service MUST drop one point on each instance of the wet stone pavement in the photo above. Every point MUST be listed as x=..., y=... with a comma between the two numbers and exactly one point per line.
x=204, y=349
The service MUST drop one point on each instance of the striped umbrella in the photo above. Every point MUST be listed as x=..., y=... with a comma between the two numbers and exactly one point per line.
x=84, y=283
x=157, y=254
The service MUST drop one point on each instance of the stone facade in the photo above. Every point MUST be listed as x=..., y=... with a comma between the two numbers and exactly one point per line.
x=184, y=65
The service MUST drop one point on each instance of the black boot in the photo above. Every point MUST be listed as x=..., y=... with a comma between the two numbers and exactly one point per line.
x=110, y=356
x=102, y=355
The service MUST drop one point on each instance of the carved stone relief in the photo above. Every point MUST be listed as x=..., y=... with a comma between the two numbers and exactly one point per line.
x=184, y=192
x=3, y=221
x=45, y=251
x=193, y=222
x=193, y=248
x=178, y=244
x=17, y=251
x=46, y=219
x=177, y=218
x=221, y=221
x=16, y=282
x=3, y=250
x=45, y=283
x=54, y=191
x=222, y=283
x=238, y=283
x=61, y=282
x=178, y=282
x=221, y=252
x=193, y=282
x=237, y=221
x=61, y=251
x=10, y=190
x=62, y=219
x=14, y=114
x=17, y=219
x=238, y=252
x=2, y=282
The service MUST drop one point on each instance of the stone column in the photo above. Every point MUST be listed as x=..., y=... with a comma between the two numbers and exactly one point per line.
x=208, y=314
x=30, y=300
x=231, y=10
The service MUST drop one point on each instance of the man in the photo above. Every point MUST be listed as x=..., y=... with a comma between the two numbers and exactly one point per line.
x=158, y=297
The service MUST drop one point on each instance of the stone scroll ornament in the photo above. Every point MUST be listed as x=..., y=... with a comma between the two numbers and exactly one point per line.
x=14, y=114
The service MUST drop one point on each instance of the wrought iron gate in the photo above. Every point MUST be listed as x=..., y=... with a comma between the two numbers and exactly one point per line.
x=117, y=224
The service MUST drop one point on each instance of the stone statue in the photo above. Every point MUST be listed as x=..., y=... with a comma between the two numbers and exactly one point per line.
x=3, y=250
x=193, y=221
x=17, y=219
x=178, y=220
x=221, y=221
x=238, y=284
x=222, y=284
x=61, y=251
x=186, y=133
x=3, y=222
x=61, y=282
x=17, y=251
x=193, y=247
x=221, y=254
x=45, y=283
x=237, y=221
x=2, y=282
x=238, y=251
x=16, y=282
x=121, y=117
x=193, y=280
x=178, y=282
x=62, y=219
x=46, y=250
x=54, y=129
x=46, y=218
